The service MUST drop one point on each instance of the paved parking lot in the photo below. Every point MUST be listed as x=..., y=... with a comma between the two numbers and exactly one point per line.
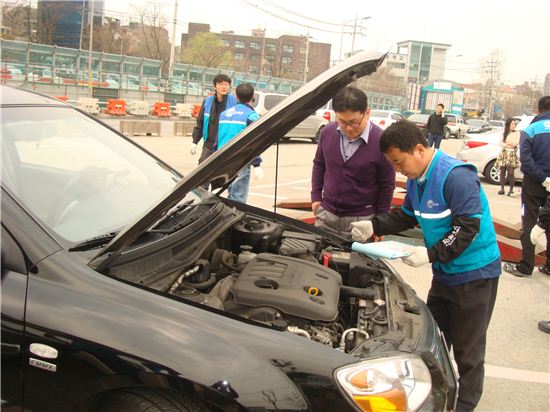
x=518, y=354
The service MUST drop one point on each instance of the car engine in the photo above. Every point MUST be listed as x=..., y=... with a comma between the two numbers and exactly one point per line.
x=290, y=280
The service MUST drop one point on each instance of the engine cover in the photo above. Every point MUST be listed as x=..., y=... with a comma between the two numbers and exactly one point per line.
x=293, y=286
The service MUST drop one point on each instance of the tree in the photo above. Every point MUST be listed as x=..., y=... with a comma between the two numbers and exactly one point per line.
x=19, y=17
x=152, y=38
x=49, y=14
x=383, y=81
x=206, y=49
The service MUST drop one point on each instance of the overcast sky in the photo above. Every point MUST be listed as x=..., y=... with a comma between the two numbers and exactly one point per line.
x=474, y=29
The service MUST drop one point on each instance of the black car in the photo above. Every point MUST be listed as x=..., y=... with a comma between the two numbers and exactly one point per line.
x=127, y=287
x=421, y=121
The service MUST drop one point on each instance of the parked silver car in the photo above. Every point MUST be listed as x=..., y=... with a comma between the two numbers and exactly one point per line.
x=310, y=128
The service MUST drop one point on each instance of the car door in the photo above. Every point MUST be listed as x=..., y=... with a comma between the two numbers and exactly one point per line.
x=14, y=286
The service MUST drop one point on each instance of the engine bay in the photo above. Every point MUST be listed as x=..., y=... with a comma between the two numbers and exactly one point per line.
x=289, y=280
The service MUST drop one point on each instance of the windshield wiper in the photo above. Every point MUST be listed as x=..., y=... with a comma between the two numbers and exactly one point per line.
x=93, y=243
x=171, y=214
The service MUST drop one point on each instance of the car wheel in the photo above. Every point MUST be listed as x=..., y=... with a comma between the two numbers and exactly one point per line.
x=447, y=134
x=492, y=173
x=140, y=400
x=317, y=135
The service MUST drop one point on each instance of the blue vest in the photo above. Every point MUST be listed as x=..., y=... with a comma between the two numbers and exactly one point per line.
x=233, y=121
x=434, y=216
x=231, y=101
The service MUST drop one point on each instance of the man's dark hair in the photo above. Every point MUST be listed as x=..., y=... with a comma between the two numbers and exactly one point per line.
x=220, y=78
x=350, y=98
x=544, y=104
x=403, y=135
x=441, y=104
x=245, y=92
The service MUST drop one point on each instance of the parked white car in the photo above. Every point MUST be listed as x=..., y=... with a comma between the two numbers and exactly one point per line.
x=482, y=149
x=456, y=126
x=384, y=118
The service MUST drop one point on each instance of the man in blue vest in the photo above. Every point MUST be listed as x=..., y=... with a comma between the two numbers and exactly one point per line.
x=232, y=122
x=445, y=197
x=207, y=120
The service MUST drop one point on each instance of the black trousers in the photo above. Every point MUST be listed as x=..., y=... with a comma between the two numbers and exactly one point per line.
x=533, y=196
x=206, y=152
x=463, y=313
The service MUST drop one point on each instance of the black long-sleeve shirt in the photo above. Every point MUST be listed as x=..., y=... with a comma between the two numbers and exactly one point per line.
x=436, y=124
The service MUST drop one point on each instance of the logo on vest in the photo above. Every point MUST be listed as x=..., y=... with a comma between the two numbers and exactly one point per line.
x=430, y=203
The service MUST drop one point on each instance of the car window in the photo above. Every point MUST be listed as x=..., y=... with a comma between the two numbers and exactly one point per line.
x=396, y=116
x=86, y=180
x=271, y=100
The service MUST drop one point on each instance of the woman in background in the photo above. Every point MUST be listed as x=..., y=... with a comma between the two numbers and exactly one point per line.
x=507, y=160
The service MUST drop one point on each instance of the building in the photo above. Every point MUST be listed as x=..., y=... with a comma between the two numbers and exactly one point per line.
x=286, y=56
x=62, y=23
x=424, y=61
x=546, y=90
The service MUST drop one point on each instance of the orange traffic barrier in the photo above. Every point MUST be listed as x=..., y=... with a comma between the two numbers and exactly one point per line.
x=116, y=107
x=196, y=110
x=161, y=109
x=62, y=98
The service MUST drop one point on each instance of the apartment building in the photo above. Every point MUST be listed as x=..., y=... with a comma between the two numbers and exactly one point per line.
x=288, y=57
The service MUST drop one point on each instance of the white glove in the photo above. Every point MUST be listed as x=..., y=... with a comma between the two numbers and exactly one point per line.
x=419, y=257
x=361, y=231
x=546, y=184
x=536, y=235
x=258, y=173
x=193, y=149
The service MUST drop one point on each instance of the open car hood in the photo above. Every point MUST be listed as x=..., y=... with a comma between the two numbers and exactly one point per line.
x=253, y=141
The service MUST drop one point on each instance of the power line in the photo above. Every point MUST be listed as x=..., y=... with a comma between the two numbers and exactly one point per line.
x=288, y=20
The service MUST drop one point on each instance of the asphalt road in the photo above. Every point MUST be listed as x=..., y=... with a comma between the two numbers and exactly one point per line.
x=518, y=354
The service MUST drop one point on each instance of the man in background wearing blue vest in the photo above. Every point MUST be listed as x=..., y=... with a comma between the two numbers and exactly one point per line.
x=445, y=197
x=207, y=120
x=232, y=122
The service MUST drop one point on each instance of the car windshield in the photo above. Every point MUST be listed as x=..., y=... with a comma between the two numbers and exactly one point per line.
x=76, y=176
x=418, y=118
x=496, y=123
x=378, y=113
x=476, y=123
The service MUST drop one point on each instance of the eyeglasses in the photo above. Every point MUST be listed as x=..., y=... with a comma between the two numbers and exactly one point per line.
x=353, y=124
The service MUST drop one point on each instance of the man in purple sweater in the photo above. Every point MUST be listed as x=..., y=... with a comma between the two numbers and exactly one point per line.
x=351, y=178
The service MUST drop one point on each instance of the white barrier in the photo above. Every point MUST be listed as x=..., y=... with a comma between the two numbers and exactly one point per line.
x=138, y=108
x=183, y=109
x=88, y=104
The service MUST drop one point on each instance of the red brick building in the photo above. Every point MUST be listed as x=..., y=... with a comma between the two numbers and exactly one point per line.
x=283, y=57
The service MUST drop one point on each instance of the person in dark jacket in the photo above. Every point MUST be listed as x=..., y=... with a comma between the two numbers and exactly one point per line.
x=539, y=231
x=444, y=196
x=351, y=180
x=436, y=126
x=534, y=149
x=209, y=114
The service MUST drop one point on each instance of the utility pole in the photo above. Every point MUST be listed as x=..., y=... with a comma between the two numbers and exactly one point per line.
x=491, y=67
x=81, y=24
x=306, y=58
x=91, y=47
x=173, y=46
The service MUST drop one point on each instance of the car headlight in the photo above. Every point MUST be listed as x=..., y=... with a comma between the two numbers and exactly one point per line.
x=399, y=383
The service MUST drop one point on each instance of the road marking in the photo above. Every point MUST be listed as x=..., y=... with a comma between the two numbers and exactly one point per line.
x=264, y=195
x=294, y=182
x=513, y=374
x=503, y=372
